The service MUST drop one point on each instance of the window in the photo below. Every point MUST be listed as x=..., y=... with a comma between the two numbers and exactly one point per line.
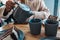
x=51, y=4
x=59, y=9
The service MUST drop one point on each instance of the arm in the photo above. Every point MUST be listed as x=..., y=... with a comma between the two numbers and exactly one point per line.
x=8, y=10
x=43, y=11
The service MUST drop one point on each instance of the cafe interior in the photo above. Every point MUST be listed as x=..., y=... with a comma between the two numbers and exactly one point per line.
x=29, y=19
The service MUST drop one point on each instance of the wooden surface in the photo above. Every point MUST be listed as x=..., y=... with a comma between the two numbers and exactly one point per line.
x=28, y=35
x=26, y=30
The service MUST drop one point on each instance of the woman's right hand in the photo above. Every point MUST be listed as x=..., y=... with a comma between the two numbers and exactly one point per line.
x=9, y=5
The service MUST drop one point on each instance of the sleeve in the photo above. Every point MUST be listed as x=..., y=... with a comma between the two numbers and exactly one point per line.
x=32, y=4
x=44, y=9
x=43, y=12
x=7, y=16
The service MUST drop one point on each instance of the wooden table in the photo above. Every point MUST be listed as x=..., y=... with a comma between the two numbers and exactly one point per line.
x=28, y=35
x=26, y=30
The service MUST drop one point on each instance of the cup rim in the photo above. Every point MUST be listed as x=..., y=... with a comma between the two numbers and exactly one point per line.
x=52, y=23
x=35, y=22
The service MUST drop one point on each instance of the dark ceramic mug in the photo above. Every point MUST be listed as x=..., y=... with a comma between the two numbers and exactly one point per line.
x=35, y=26
x=51, y=27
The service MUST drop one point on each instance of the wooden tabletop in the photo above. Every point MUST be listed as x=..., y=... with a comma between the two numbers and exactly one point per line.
x=28, y=36
x=25, y=28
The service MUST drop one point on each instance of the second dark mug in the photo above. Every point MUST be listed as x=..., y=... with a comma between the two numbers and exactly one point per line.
x=35, y=26
x=51, y=27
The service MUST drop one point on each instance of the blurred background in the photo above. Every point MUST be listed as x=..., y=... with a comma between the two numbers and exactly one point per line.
x=50, y=5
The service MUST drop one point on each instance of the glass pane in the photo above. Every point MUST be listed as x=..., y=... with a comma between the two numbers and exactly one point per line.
x=59, y=12
x=59, y=9
x=50, y=5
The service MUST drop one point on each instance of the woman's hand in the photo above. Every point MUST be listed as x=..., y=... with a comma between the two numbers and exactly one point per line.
x=38, y=15
x=9, y=5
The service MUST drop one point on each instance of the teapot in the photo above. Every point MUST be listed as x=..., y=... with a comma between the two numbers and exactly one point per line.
x=21, y=13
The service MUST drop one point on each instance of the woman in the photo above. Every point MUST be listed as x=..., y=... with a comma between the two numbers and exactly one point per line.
x=38, y=8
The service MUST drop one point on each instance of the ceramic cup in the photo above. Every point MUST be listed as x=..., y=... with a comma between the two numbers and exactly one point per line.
x=51, y=27
x=35, y=26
